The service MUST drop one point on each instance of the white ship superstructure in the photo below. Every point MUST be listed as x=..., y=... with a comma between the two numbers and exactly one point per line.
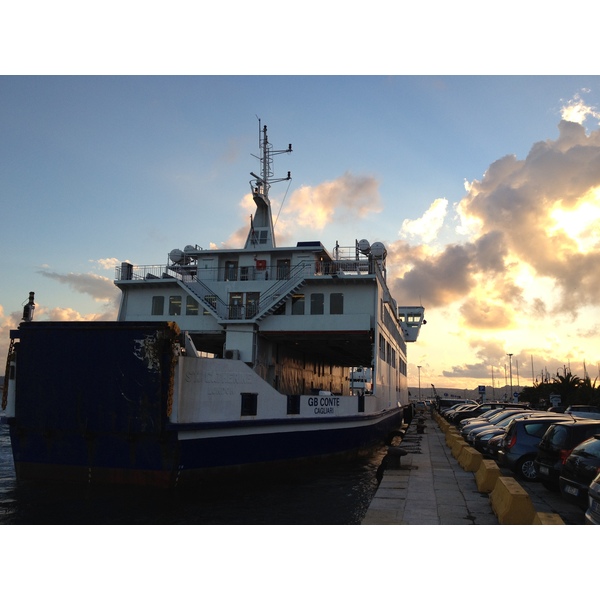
x=221, y=361
x=300, y=317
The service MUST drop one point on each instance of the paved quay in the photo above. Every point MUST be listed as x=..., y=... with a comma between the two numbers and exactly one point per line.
x=430, y=487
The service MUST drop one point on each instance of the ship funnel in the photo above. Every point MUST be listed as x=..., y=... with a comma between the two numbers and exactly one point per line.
x=29, y=308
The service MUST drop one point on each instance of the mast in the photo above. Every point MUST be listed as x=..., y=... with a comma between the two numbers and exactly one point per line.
x=261, y=232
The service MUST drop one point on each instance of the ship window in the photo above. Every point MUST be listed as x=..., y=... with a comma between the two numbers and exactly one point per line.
x=317, y=303
x=212, y=300
x=336, y=304
x=236, y=300
x=262, y=236
x=158, y=305
x=298, y=304
x=231, y=267
x=283, y=268
x=382, y=347
x=249, y=404
x=252, y=299
x=174, y=305
x=191, y=306
x=293, y=404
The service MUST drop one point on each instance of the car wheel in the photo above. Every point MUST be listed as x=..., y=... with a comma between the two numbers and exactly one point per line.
x=525, y=468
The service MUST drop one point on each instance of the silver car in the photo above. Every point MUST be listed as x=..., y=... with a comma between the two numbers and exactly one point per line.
x=592, y=514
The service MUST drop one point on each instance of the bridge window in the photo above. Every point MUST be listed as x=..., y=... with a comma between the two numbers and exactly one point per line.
x=231, y=267
x=158, y=305
x=212, y=300
x=317, y=304
x=298, y=304
x=191, y=306
x=174, y=305
x=336, y=304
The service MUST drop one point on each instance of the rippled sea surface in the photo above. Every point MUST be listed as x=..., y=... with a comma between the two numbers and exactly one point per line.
x=329, y=494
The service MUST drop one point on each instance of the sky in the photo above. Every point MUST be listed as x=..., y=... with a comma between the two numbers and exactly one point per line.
x=484, y=189
x=453, y=140
x=451, y=132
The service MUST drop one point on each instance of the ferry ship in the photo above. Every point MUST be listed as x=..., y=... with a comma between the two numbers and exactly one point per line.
x=221, y=362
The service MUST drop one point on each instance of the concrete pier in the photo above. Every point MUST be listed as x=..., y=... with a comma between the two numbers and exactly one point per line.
x=430, y=487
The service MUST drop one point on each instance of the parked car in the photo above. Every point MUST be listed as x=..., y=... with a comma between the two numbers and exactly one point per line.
x=493, y=445
x=479, y=410
x=592, y=514
x=445, y=403
x=519, y=445
x=481, y=441
x=579, y=470
x=556, y=445
x=479, y=420
x=450, y=414
x=500, y=419
x=482, y=436
x=583, y=410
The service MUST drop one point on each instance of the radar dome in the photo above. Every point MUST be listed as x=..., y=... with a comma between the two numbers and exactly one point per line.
x=364, y=246
x=378, y=250
x=176, y=256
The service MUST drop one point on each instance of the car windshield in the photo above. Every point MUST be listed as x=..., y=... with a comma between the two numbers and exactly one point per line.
x=556, y=435
x=584, y=408
x=508, y=419
x=504, y=416
x=589, y=448
x=490, y=413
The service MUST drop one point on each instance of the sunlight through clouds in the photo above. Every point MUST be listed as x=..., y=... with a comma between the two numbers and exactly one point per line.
x=529, y=265
x=429, y=225
x=346, y=198
x=576, y=111
x=580, y=223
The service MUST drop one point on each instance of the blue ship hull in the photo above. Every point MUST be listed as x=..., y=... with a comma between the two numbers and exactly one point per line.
x=88, y=410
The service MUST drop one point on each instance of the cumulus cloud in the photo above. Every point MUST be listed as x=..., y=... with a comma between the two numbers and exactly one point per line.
x=539, y=215
x=429, y=225
x=107, y=263
x=101, y=289
x=348, y=197
x=577, y=111
x=344, y=199
x=539, y=205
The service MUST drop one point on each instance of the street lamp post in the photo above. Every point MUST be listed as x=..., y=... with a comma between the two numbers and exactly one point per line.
x=419, y=367
x=510, y=373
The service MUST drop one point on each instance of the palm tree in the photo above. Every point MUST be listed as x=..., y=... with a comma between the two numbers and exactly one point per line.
x=588, y=393
x=567, y=386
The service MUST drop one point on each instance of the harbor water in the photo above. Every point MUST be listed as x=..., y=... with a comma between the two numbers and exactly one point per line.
x=328, y=494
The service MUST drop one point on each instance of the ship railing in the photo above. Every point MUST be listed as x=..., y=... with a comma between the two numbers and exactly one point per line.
x=129, y=272
x=186, y=273
x=283, y=273
x=279, y=291
x=209, y=299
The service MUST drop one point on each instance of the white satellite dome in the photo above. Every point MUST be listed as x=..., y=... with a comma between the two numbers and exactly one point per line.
x=176, y=256
x=364, y=246
x=378, y=250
